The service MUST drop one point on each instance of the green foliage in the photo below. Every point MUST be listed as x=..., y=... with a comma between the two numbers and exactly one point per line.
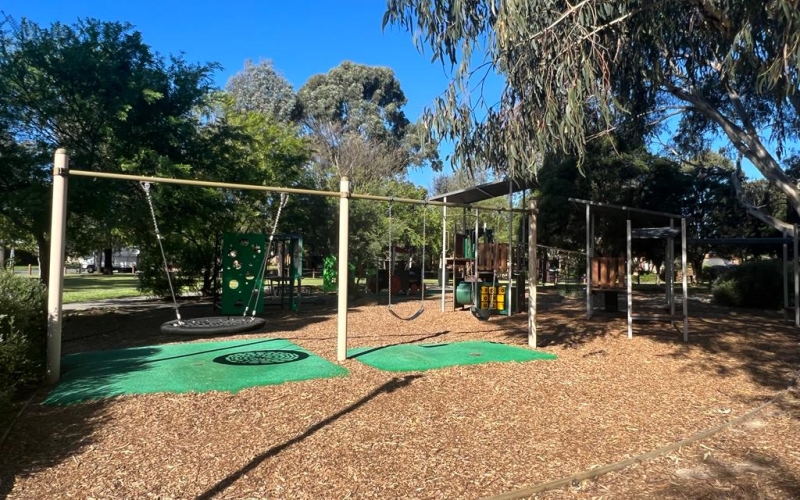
x=616, y=173
x=575, y=72
x=260, y=87
x=355, y=120
x=23, y=333
x=713, y=273
x=96, y=89
x=153, y=278
x=756, y=284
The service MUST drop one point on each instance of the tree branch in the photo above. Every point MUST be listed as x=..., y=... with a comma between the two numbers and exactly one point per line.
x=740, y=110
x=752, y=209
x=748, y=145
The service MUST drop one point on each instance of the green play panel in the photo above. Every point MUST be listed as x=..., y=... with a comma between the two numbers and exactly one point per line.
x=198, y=367
x=421, y=357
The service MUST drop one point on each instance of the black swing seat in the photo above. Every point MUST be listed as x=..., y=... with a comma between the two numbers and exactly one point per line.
x=410, y=318
x=481, y=314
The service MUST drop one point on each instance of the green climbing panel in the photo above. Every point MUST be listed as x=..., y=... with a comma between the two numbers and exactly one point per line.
x=242, y=279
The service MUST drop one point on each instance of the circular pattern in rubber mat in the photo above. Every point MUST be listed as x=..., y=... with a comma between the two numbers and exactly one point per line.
x=261, y=357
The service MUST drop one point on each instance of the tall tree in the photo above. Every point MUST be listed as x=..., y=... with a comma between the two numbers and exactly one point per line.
x=245, y=148
x=260, y=87
x=97, y=90
x=358, y=127
x=577, y=71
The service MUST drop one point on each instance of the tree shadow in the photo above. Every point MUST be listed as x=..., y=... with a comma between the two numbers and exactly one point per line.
x=751, y=475
x=386, y=388
x=766, y=350
x=417, y=339
x=47, y=435
x=101, y=329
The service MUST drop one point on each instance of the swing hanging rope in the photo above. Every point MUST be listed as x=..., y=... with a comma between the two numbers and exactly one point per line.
x=146, y=188
x=422, y=268
x=263, y=268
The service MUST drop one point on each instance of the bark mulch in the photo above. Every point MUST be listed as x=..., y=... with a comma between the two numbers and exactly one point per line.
x=460, y=432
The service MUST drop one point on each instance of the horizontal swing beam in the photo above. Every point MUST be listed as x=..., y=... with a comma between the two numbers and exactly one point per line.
x=254, y=187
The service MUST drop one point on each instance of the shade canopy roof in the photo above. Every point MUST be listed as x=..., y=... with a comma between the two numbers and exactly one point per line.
x=616, y=210
x=486, y=191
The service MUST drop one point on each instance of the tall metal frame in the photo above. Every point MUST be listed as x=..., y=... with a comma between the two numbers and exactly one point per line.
x=61, y=173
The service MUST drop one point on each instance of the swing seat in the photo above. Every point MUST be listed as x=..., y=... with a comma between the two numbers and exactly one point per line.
x=410, y=318
x=481, y=314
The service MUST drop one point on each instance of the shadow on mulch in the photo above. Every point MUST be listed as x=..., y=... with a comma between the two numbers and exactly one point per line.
x=102, y=329
x=757, y=343
x=386, y=388
x=745, y=479
x=35, y=447
x=765, y=348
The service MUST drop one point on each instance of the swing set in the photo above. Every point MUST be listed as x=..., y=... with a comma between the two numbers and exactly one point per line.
x=62, y=172
x=421, y=309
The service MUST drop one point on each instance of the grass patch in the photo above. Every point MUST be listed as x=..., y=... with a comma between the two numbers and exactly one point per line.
x=88, y=287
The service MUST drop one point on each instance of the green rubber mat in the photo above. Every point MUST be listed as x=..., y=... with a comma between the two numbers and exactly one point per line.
x=196, y=367
x=421, y=357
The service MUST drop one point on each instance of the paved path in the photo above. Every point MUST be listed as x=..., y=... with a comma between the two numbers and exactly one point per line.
x=129, y=302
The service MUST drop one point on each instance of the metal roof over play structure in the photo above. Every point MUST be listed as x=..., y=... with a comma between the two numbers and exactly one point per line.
x=608, y=208
x=486, y=191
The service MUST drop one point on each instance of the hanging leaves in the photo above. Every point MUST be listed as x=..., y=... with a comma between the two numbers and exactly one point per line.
x=578, y=71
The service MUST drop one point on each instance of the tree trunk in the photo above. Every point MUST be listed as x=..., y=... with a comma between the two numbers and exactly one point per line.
x=208, y=281
x=44, y=258
x=2, y=254
x=108, y=263
x=697, y=267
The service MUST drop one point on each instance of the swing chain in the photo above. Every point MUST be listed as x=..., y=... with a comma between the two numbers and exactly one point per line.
x=391, y=257
x=146, y=188
x=422, y=268
x=284, y=199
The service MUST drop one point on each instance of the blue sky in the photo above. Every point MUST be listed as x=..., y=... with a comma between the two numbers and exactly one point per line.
x=302, y=38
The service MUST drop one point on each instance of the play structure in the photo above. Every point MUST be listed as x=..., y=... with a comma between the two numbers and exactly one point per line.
x=611, y=275
x=398, y=274
x=476, y=263
x=62, y=171
x=284, y=285
x=559, y=266
x=244, y=260
x=485, y=275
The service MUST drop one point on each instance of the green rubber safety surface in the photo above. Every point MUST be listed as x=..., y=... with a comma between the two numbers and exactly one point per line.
x=421, y=357
x=197, y=367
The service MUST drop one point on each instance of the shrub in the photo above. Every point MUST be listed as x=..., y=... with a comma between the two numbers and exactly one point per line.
x=753, y=284
x=23, y=333
x=712, y=273
x=153, y=279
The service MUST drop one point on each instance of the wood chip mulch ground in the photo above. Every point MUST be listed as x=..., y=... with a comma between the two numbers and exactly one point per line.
x=461, y=432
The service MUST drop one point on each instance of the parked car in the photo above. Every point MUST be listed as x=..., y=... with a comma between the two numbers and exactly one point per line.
x=123, y=261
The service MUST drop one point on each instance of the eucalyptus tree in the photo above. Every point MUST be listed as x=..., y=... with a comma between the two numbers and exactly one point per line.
x=575, y=72
x=354, y=114
x=261, y=88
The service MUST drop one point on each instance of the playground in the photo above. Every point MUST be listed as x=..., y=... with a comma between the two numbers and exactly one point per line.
x=470, y=430
x=425, y=394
